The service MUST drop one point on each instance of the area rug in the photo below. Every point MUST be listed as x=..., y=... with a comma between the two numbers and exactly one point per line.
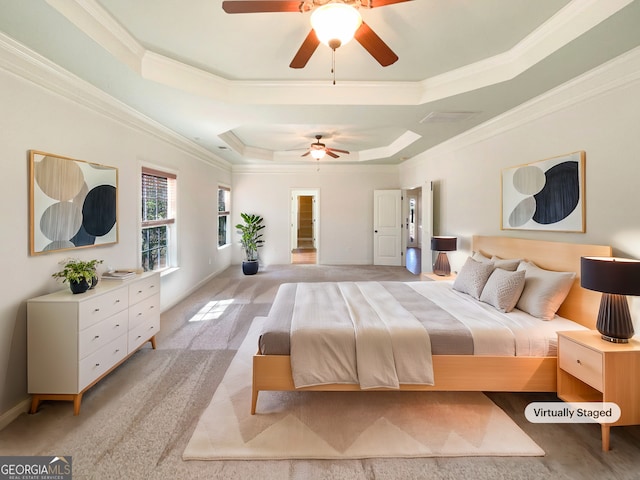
x=348, y=425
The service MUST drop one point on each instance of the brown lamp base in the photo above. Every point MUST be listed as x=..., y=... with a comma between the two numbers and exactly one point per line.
x=614, y=319
x=614, y=340
x=442, y=267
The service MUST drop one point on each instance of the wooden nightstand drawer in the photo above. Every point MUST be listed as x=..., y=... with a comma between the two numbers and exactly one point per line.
x=581, y=362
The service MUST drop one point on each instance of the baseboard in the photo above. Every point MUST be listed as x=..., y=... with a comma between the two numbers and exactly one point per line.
x=9, y=416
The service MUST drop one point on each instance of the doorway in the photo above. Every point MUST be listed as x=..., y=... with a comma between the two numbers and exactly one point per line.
x=304, y=226
x=413, y=230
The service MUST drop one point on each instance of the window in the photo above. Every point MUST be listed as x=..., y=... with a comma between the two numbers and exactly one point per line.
x=224, y=208
x=158, y=219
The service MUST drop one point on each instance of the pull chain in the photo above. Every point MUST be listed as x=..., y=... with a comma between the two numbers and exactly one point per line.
x=333, y=64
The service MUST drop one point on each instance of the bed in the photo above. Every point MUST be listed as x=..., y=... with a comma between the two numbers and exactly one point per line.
x=533, y=371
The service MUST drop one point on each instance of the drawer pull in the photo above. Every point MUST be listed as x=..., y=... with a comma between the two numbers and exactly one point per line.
x=97, y=310
x=578, y=361
x=139, y=336
x=117, y=301
x=139, y=313
x=139, y=291
x=97, y=336
x=117, y=324
x=117, y=350
x=97, y=364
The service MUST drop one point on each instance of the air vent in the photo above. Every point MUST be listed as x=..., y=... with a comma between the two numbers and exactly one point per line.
x=448, y=117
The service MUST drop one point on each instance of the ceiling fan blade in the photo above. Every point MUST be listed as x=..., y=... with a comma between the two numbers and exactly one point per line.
x=305, y=154
x=373, y=44
x=305, y=51
x=331, y=154
x=380, y=3
x=260, y=6
x=337, y=150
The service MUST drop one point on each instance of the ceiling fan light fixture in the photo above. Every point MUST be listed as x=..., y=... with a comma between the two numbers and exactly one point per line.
x=318, y=153
x=335, y=24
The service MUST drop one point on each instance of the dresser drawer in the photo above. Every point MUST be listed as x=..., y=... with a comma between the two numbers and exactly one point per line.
x=99, y=362
x=581, y=362
x=144, y=288
x=98, y=335
x=143, y=332
x=143, y=310
x=102, y=306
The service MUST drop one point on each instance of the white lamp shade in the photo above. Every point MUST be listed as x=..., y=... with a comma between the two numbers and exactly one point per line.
x=335, y=21
x=317, y=154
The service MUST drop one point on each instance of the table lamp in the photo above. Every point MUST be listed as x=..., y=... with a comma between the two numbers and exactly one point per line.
x=442, y=245
x=615, y=278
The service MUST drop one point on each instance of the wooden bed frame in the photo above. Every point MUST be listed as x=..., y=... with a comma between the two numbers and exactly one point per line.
x=477, y=373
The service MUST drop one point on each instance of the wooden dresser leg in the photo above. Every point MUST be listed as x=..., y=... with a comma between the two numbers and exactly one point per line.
x=153, y=342
x=35, y=403
x=77, y=399
x=606, y=432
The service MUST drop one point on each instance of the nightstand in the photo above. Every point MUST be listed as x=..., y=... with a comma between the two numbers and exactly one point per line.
x=593, y=370
x=433, y=276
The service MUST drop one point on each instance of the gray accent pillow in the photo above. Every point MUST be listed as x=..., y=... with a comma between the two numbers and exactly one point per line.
x=544, y=290
x=472, y=277
x=503, y=289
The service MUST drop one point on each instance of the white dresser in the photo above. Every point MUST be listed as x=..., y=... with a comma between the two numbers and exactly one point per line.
x=75, y=340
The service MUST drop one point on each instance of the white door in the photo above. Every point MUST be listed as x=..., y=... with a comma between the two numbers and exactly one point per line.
x=387, y=227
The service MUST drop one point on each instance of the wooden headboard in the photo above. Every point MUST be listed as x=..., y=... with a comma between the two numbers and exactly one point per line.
x=581, y=305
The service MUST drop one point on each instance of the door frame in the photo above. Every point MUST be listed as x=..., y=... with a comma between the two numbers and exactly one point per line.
x=293, y=216
x=426, y=223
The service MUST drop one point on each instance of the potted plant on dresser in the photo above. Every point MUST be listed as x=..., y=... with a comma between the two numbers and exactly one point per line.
x=251, y=240
x=81, y=275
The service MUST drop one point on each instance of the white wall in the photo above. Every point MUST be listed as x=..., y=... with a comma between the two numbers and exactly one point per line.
x=345, y=213
x=34, y=118
x=598, y=113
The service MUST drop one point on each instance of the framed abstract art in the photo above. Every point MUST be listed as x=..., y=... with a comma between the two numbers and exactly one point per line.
x=545, y=195
x=73, y=203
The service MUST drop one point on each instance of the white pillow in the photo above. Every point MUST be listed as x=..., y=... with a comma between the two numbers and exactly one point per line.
x=503, y=289
x=544, y=290
x=479, y=257
x=472, y=277
x=506, y=264
x=510, y=264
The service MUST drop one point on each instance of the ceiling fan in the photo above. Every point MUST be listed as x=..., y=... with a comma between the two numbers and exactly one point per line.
x=364, y=35
x=318, y=150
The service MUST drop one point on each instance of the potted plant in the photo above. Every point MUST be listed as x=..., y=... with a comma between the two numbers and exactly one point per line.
x=81, y=275
x=251, y=240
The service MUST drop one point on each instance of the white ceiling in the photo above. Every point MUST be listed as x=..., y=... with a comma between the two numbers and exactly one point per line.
x=224, y=80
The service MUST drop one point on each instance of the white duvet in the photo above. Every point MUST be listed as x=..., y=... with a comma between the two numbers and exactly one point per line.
x=358, y=333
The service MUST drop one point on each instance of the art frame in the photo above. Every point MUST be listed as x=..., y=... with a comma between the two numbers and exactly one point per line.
x=546, y=195
x=72, y=203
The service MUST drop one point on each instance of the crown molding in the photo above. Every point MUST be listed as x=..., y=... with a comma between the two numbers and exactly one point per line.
x=614, y=74
x=316, y=168
x=577, y=17
x=29, y=65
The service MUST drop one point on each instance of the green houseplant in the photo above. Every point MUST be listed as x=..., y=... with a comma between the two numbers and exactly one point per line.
x=251, y=240
x=80, y=275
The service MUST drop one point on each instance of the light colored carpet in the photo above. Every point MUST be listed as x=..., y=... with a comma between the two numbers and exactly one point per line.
x=348, y=425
